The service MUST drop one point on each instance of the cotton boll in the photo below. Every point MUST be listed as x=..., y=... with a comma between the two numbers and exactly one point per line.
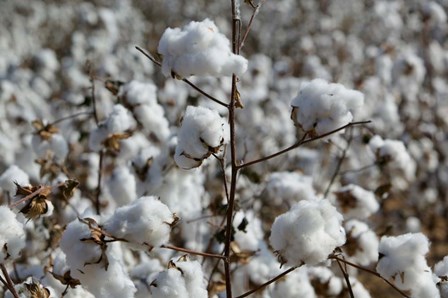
x=248, y=236
x=356, y=202
x=183, y=279
x=321, y=107
x=198, y=49
x=295, y=285
x=202, y=132
x=11, y=175
x=56, y=145
x=288, y=187
x=325, y=282
x=362, y=243
x=12, y=235
x=308, y=233
x=441, y=270
x=402, y=261
x=145, y=223
x=122, y=185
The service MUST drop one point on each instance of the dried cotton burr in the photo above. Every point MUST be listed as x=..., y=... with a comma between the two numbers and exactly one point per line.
x=202, y=133
x=321, y=107
x=308, y=233
x=198, y=49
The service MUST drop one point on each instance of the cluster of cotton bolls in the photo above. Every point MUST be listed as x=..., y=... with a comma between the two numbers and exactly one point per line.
x=123, y=168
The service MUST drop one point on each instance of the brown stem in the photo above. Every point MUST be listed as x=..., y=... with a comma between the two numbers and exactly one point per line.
x=347, y=279
x=300, y=143
x=268, y=282
x=153, y=60
x=192, y=252
x=369, y=271
x=338, y=166
x=95, y=114
x=98, y=189
x=255, y=8
x=223, y=169
x=71, y=117
x=9, y=284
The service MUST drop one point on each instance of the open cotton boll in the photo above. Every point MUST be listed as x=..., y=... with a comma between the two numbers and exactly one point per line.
x=56, y=145
x=356, y=202
x=441, y=270
x=11, y=175
x=288, y=187
x=321, y=107
x=295, y=285
x=202, y=133
x=362, y=243
x=122, y=185
x=198, y=49
x=12, y=235
x=183, y=279
x=402, y=261
x=145, y=223
x=307, y=233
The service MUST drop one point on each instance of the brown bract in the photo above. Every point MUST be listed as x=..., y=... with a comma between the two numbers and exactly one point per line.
x=44, y=131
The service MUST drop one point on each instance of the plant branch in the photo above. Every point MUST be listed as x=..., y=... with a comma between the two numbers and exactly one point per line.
x=347, y=279
x=71, y=117
x=192, y=252
x=300, y=143
x=153, y=60
x=338, y=166
x=268, y=282
x=100, y=178
x=9, y=284
x=221, y=162
x=369, y=271
x=95, y=114
x=256, y=9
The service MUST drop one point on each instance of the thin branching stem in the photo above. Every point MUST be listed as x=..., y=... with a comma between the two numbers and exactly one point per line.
x=192, y=252
x=71, y=117
x=339, y=164
x=256, y=9
x=9, y=284
x=223, y=169
x=334, y=257
x=99, y=181
x=153, y=60
x=268, y=282
x=347, y=279
x=303, y=141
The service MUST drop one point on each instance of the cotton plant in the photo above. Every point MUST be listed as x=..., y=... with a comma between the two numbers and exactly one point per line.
x=202, y=133
x=321, y=107
x=355, y=202
x=12, y=235
x=122, y=185
x=198, y=49
x=362, y=243
x=297, y=284
x=402, y=261
x=308, y=233
x=12, y=175
x=441, y=271
x=183, y=278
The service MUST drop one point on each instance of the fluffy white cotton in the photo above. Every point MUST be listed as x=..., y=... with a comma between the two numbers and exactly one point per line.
x=145, y=223
x=402, y=261
x=295, y=285
x=82, y=257
x=118, y=121
x=198, y=49
x=288, y=187
x=441, y=271
x=12, y=235
x=321, y=107
x=308, y=233
x=362, y=243
x=122, y=185
x=356, y=202
x=56, y=145
x=142, y=98
x=11, y=175
x=393, y=156
x=202, y=133
x=183, y=279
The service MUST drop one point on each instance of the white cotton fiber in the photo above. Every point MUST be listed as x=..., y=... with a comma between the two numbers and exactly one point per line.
x=356, y=202
x=307, y=233
x=11, y=175
x=12, y=235
x=321, y=107
x=144, y=223
x=198, y=49
x=202, y=132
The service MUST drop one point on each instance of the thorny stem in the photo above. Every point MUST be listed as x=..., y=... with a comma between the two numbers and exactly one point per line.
x=300, y=143
x=334, y=257
x=153, y=60
x=338, y=166
x=8, y=283
x=192, y=252
x=268, y=282
x=347, y=279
